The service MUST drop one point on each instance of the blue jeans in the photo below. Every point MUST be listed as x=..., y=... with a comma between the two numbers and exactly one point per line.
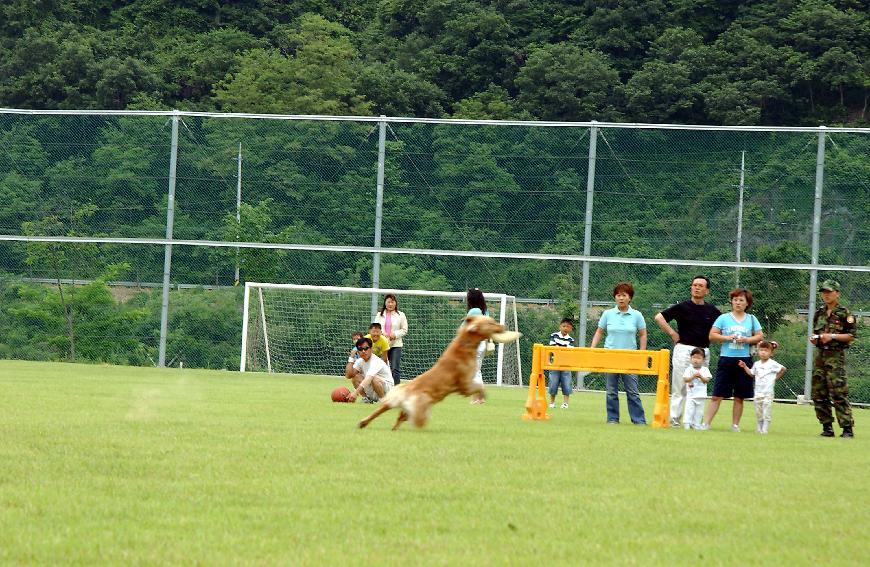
x=560, y=377
x=629, y=383
x=394, y=356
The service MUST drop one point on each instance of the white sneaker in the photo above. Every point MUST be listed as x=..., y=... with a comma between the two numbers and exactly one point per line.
x=675, y=422
x=564, y=405
x=703, y=427
x=552, y=405
x=735, y=428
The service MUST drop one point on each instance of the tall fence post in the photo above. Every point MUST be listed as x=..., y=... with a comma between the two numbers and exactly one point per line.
x=587, y=235
x=740, y=218
x=379, y=210
x=814, y=274
x=238, y=209
x=167, y=255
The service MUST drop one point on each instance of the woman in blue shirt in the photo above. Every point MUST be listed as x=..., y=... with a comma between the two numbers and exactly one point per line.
x=625, y=327
x=736, y=331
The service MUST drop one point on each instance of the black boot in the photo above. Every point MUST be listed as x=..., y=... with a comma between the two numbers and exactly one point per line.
x=827, y=430
x=847, y=432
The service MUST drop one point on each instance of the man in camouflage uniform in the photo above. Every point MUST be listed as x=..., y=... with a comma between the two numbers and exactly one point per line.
x=833, y=330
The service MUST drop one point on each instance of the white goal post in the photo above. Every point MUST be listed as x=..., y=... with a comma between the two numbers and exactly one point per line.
x=305, y=329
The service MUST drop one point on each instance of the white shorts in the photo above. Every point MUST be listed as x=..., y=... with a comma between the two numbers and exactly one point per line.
x=372, y=395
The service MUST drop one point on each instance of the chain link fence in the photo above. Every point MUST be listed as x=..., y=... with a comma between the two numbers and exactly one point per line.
x=441, y=205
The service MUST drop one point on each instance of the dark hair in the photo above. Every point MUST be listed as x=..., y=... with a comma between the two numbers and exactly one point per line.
x=738, y=291
x=384, y=304
x=766, y=344
x=568, y=320
x=697, y=350
x=374, y=325
x=364, y=341
x=356, y=334
x=705, y=278
x=624, y=287
x=474, y=298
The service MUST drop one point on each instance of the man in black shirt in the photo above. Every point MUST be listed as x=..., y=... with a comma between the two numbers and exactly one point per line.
x=694, y=318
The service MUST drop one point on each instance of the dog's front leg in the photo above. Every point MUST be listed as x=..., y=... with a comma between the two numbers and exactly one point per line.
x=381, y=409
x=473, y=388
x=402, y=417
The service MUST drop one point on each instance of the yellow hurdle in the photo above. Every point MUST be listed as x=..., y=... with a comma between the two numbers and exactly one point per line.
x=616, y=361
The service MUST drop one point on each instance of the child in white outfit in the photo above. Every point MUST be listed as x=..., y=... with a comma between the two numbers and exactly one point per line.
x=766, y=371
x=696, y=377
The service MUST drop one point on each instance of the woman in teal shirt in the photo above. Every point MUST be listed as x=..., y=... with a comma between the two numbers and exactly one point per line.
x=624, y=327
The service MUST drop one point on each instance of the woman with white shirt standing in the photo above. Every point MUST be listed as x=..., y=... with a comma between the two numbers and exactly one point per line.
x=476, y=303
x=394, y=325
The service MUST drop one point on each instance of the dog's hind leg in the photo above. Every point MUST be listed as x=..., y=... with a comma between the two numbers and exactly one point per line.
x=422, y=416
x=381, y=409
x=402, y=417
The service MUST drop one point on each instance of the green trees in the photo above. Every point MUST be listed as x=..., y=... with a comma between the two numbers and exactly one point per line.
x=777, y=63
x=312, y=70
x=564, y=82
x=447, y=187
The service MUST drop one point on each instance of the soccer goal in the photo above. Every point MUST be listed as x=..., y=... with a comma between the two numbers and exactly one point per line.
x=304, y=329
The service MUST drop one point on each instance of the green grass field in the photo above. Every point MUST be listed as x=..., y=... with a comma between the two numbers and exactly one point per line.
x=115, y=465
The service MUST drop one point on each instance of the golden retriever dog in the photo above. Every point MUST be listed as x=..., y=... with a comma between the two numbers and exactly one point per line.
x=452, y=373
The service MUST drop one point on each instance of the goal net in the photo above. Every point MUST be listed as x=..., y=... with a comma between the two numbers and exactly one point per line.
x=303, y=329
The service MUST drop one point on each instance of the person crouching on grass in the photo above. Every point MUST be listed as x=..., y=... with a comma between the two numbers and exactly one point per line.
x=766, y=371
x=369, y=374
x=695, y=377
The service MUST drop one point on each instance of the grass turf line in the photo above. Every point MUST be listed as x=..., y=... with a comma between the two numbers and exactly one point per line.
x=109, y=465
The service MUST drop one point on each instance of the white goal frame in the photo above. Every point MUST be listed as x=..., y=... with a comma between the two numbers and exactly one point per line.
x=501, y=298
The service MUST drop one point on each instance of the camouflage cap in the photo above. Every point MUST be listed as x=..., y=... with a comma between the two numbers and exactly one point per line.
x=829, y=285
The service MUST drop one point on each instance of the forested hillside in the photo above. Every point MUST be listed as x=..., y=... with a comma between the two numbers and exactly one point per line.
x=771, y=62
x=508, y=189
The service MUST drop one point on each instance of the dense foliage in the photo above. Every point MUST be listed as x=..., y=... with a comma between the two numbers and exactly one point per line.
x=690, y=61
x=658, y=194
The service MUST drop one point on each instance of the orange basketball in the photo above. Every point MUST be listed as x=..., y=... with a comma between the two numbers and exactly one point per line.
x=340, y=394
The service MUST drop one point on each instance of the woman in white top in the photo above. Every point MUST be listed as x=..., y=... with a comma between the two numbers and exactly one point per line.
x=394, y=325
x=477, y=306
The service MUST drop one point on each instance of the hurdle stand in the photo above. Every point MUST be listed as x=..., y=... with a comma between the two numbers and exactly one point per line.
x=614, y=361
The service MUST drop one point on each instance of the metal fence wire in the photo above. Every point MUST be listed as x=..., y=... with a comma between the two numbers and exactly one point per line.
x=123, y=235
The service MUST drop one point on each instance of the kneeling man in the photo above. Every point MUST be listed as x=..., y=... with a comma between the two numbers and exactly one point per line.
x=369, y=374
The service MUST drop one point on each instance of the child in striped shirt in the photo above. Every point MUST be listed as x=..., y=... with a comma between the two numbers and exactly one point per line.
x=561, y=377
